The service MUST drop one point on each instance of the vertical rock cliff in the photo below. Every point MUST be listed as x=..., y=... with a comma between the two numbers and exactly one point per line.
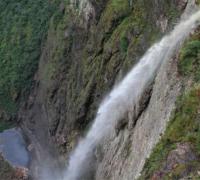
x=74, y=52
x=89, y=47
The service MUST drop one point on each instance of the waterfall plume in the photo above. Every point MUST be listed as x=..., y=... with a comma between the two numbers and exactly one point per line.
x=125, y=96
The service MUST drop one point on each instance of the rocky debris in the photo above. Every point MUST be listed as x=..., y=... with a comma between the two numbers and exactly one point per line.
x=61, y=139
x=21, y=173
x=8, y=172
x=182, y=156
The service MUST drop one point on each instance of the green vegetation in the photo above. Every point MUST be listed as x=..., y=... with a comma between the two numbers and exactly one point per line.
x=184, y=127
x=172, y=12
x=124, y=44
x=190, y=59
x=116, y=10
x=23, y=29
x=113, y=15
x=60, y=45
x=185, y=123
x=5, y=125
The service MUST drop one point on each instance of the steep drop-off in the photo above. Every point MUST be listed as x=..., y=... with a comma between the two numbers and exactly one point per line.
x=125, y=99
x=65, y=61
x=176, y=156
x=88, y=49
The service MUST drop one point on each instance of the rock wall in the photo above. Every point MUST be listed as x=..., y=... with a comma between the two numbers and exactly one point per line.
x=176, y=156
x=124, y=155
x=90, y=46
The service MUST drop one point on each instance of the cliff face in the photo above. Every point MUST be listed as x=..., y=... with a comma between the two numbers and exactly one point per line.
x=90, y=46
x=174, y=98
x=176, y=156
x=87, y=46
x=125, y=154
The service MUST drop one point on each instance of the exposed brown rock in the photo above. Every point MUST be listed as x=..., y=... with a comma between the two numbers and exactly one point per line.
x=21, y=173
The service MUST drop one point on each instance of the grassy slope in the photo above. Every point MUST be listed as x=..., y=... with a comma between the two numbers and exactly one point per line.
x=185, y=123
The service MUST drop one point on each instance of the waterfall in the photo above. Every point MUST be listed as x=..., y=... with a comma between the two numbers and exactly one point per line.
x=125, y=96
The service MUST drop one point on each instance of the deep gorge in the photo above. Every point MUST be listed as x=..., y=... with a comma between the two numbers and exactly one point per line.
x=58, y=66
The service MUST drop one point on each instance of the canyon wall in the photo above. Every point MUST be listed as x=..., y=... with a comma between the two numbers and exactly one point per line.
x=85, y=49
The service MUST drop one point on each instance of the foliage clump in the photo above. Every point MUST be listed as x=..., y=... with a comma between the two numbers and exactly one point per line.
x=124, y=44
x=23, y=29
x=189, y=63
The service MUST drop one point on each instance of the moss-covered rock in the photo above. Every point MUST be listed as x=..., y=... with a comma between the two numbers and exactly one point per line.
x=184, y=126
x=190, y=58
